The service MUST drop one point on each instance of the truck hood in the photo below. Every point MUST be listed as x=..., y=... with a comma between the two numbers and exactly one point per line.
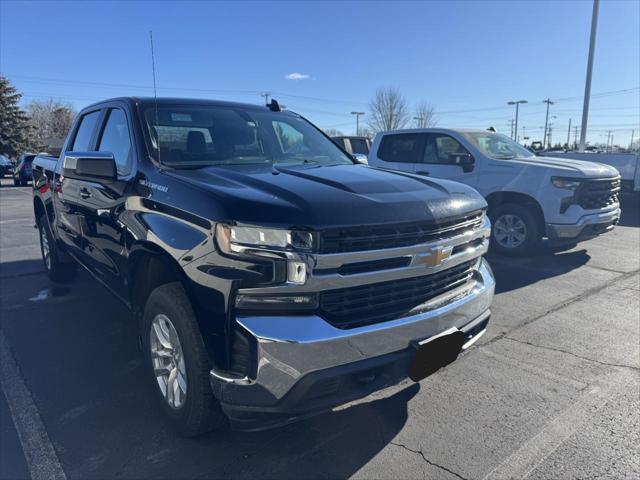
x=568, y=167
x=328, y=196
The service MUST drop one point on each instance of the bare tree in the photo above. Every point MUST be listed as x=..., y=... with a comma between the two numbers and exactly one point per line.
x=50, y=119
x=365, y=132
x=424, y=115
x=388, y=110
x=333, y=132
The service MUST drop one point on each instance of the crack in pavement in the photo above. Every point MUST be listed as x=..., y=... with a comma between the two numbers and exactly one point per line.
x=631, y=367
x=560, y=306
x=419, y=452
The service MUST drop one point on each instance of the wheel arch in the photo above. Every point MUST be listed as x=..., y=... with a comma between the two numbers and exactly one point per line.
x=150, y=266
x=500, y=198
x=39, y=208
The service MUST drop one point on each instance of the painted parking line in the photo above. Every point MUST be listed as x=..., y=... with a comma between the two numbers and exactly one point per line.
x=522, y=462
x=38, y=450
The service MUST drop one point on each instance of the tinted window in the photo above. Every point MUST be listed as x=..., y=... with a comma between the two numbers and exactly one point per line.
x=339, y=142
x=201, y=135
x=402, y=148
x=443, y=149
x=359, y=145
x=85, y=131
x=116, y=139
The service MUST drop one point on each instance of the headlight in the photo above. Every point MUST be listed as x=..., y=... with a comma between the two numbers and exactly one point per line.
x=566, y=183
x=265, y=242
x=231, y=237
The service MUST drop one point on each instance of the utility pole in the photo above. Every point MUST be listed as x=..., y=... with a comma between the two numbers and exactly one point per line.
x=419, y=121
x=517, y=104
x=357, y=114
x=611, y=149
x=631, y=142
x=568, y=134
x=575, y=137
x=266, y=96
x=546, y=118
x=587, y=85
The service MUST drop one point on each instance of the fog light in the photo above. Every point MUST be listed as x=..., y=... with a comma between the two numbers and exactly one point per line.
x=296, y=273
x=275, y=302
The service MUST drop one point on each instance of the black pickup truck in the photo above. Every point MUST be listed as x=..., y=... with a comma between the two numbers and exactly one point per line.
x=272, y=276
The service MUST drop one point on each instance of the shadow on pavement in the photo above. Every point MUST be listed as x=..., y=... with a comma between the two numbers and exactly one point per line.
x=78, y=354
x=514, y=273
x=630, y=204
x=22, y=267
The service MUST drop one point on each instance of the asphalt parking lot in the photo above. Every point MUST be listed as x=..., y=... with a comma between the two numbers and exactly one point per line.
x=551, y=391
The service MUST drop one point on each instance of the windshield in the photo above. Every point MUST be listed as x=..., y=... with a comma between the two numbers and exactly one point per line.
x=498, y=146
x=196, y=136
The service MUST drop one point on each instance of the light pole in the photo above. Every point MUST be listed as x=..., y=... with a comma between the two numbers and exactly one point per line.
x=546, y=118
x=587, y=85
x=357, y=114
x=517, y=104
x=569, y=134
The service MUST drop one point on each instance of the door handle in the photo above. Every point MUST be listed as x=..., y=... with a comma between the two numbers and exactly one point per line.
x=422, y=172
x=84, y=193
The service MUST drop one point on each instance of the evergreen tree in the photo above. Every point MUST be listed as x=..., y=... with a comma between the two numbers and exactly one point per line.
x=14, y=122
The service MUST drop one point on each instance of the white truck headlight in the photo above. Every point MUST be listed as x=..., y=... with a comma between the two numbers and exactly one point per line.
x=565, y=183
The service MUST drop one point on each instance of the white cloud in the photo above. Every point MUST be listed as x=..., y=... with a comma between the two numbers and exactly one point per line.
x=297, y=76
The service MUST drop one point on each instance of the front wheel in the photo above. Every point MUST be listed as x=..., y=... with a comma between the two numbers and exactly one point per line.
x=514, y=230
x=178, y=362
x=57, y=270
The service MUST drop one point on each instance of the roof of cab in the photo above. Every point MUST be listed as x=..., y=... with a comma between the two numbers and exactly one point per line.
x=151, y=101
x=438, y=130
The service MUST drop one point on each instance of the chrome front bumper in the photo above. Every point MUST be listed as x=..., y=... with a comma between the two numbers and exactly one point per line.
x=588, y=226
x=289, y=348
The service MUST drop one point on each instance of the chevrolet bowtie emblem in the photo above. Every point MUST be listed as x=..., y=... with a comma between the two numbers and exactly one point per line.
x=436, y=256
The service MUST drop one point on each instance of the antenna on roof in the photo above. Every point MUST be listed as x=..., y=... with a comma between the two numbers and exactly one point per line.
x=274, y=106
x=155, y=92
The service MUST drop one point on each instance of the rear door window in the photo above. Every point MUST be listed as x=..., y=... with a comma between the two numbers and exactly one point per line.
x=401, y=148
x=84, y=134
x=359, y=145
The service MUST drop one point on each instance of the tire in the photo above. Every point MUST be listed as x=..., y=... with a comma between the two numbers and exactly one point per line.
x=57, y=270
x=198, y=412
x=515, y=230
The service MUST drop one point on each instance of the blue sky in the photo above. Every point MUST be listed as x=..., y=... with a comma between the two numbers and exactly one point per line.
x=466, y=58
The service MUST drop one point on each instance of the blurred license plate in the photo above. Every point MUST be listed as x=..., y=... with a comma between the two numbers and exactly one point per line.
x=434, y=353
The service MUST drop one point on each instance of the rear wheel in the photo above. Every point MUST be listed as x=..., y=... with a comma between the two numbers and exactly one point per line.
x=57, y=270
x=178, y=361
x=514, y=229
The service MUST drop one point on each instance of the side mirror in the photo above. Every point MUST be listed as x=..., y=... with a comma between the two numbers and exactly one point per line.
x=96, y=166
x=360, y=158
x=465, y=160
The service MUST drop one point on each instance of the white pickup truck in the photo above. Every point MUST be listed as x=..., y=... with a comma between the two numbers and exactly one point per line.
x=529, y=197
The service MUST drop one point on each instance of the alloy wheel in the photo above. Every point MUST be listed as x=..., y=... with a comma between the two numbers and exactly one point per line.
x=46, y=251
x=168, y=361
x=509, y=230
